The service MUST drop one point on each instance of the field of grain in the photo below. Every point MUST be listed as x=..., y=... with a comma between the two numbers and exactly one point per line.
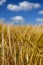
x=21, y=45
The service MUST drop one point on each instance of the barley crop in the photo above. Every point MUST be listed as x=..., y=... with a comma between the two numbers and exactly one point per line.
x=21, y=45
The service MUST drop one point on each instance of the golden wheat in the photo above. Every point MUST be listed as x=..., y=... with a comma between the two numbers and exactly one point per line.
x=21, y=45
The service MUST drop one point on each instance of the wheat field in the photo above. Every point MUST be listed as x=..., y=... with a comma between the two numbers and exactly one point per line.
x=21, y=45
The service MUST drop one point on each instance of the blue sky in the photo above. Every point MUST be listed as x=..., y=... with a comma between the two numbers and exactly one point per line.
x=21, y=11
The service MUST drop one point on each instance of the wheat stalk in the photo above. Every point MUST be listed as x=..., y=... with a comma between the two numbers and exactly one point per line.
x=21, y=45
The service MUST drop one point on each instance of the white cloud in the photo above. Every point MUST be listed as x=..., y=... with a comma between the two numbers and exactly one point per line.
x=37, y=5
x=18, y=19
x=41, y=12
x=23, y=6
x=2, y=1
x=28, y=5
x=39, y=19
x=13, y=7
x=2, y=20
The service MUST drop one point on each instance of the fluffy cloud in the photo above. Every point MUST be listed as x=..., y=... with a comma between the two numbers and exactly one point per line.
x=2, y=20
x=39, y=19
x=18, y=19
x=41, y=12
x=13, y=7
x=28, y=5
x=2, y=1
x=23, y=6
